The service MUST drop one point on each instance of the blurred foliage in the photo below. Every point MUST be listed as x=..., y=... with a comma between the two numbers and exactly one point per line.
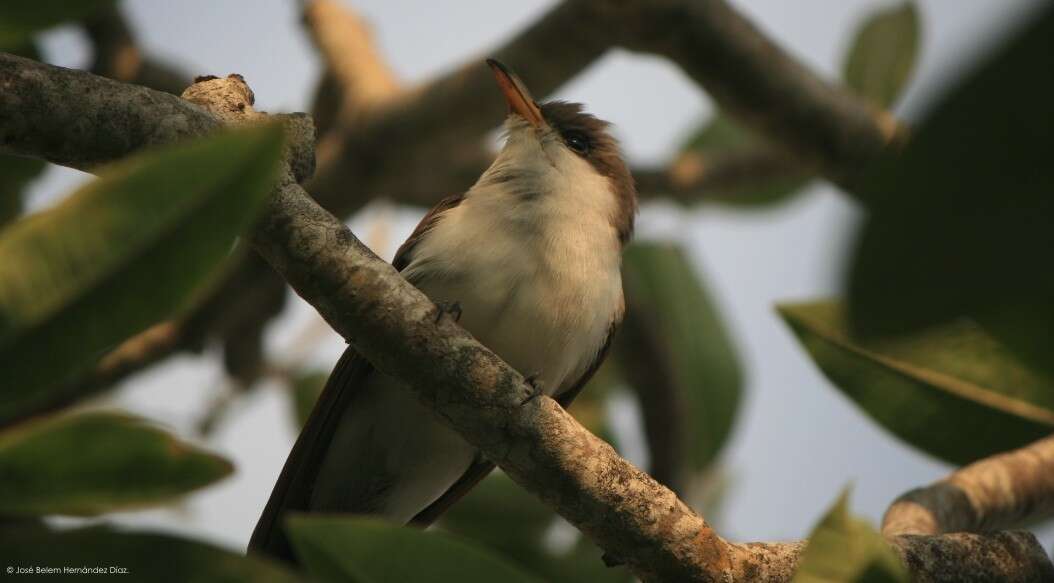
x=845, y=549
x=125, y=251
x=91, y=463
x=929, y=386
x=306, y=386
x=21, y=19
x=147, y=556
x=960, y=220
x=722, y=137
x=878, y=65
x=368, y=550
x=674, y=348
x=884, y=53
x=15, y=174
x=507, y=519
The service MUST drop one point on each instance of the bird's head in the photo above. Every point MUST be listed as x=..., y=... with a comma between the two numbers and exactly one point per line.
x=557, y=149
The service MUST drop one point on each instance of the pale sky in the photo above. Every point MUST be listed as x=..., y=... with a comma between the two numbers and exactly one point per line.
x=798, y=441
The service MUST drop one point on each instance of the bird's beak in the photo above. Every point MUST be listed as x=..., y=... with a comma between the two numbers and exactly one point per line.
x=520, y=100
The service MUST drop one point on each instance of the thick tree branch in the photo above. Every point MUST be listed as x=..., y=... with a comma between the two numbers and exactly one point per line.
x=1001, y=491
x=536, y=442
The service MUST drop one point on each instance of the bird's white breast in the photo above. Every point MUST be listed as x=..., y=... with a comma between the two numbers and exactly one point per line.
x=535, y=268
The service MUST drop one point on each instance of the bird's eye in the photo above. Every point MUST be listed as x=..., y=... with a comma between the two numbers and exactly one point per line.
x=578, y=142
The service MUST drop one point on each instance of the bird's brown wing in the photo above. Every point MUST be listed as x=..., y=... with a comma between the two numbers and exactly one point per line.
x=292, y=491
x=482, y=467
x=406, y=252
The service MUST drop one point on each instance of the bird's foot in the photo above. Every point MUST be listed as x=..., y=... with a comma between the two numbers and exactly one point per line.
x=452, y=308
x=536, y=387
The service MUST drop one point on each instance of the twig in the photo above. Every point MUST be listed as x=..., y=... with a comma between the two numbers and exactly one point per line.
x=1002, y=491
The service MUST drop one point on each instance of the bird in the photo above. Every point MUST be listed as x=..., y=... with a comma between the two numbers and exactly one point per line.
x=529, y=260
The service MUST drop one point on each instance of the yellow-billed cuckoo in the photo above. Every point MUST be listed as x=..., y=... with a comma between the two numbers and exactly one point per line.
x=532, y=255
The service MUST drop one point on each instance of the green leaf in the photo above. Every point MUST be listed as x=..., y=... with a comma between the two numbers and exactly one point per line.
x=1026, y=327
x=724, y=140
x=92, y=463
x=951, y=390
x=884, y=53
x=845, y=549
x=146, y=556
x=960, y=221
x=307, y=387
x=20, y=19
x=125, y=251
x=673, y=340
x=15, y=174
x=367, y=550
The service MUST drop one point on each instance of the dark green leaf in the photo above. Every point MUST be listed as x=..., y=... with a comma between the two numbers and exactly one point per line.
x=845, y=549
x=93, y=463
x=120, y=254
x=1025, y=326
x=20, y=19
x=367, y=550
x=15, y=174
x=951, y=390
x=147, y=557
x=723, y=141
x=307, y=386
x=673, y=343
x=720, y=134
x=960, y=221
x=883, y=54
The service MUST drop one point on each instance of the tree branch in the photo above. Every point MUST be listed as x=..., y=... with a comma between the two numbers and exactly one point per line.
x=750, y=76
x=391, y=323
x=1002, y=491
x=694, y=177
